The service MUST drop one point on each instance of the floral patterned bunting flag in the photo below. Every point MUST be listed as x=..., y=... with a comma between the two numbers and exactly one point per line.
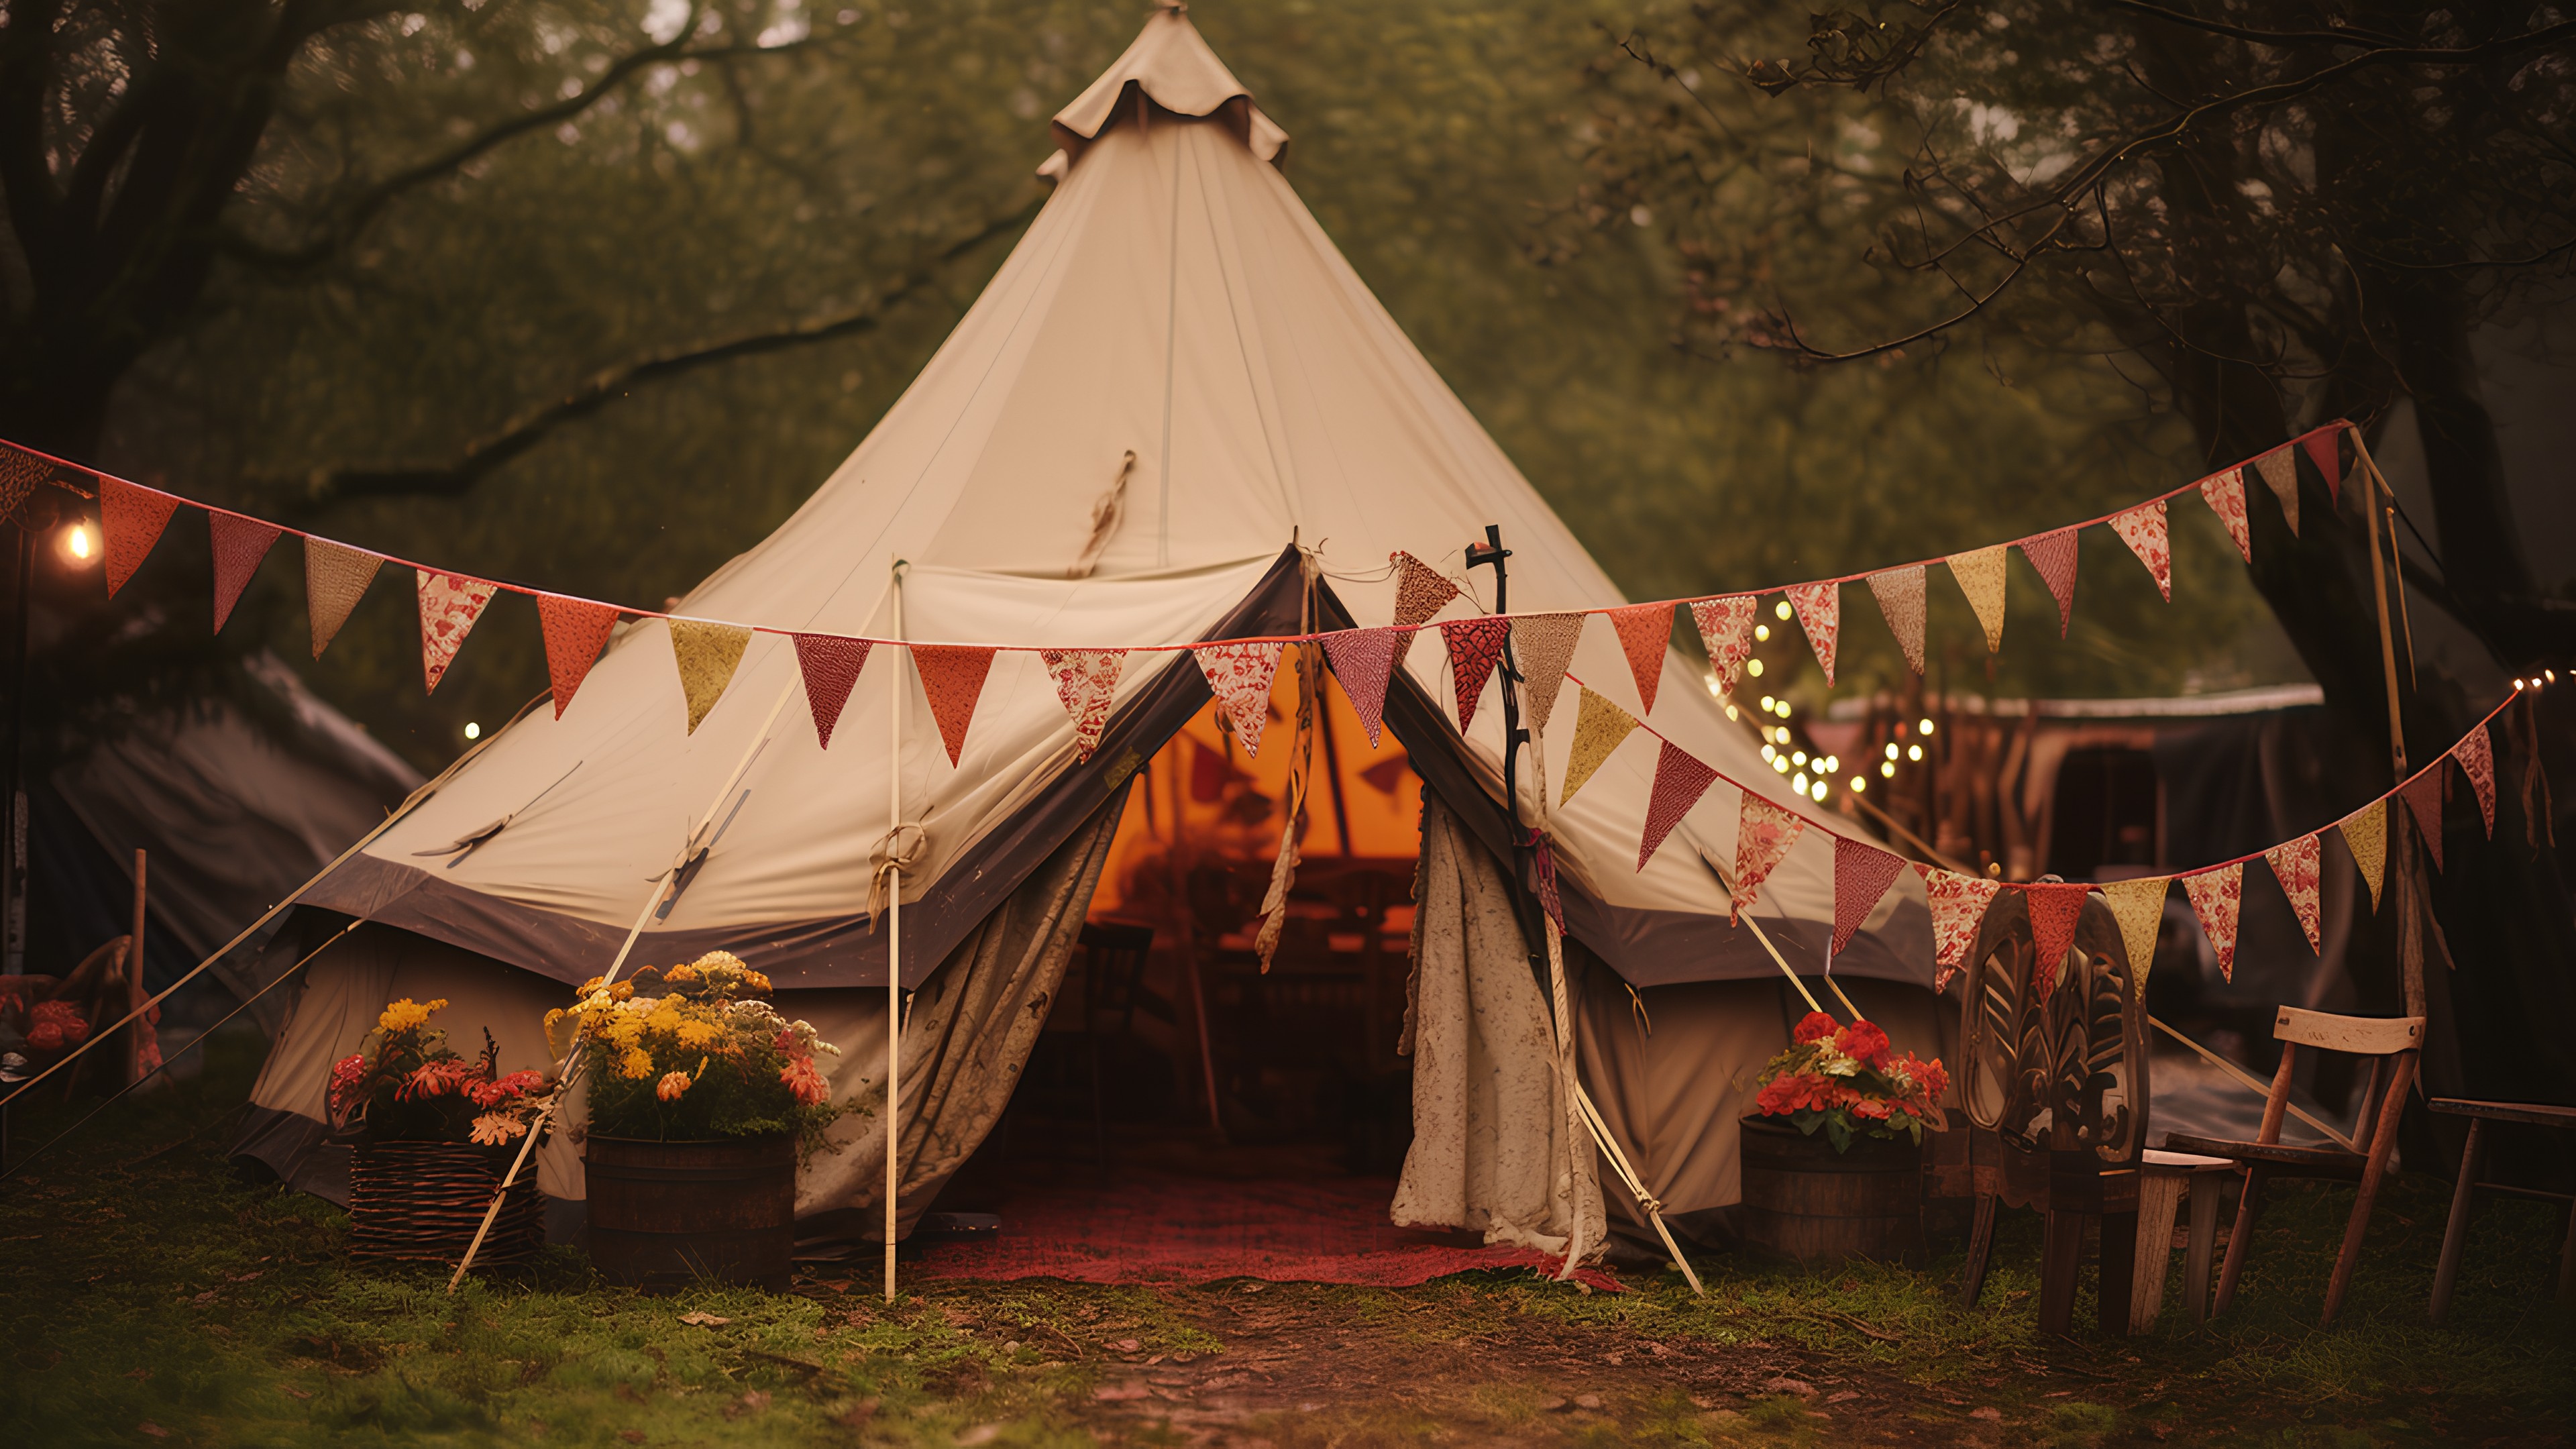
x=1726, y=630
x=1900, y=597
x=2325, y=449
x=575, y=631
x=1085, y=682
x=952, y=680
x=2476, y=754
x=2365, y=834
x=1475, y=646
x=1645, y=631
x=1544, y=645
x=1239, y=675
x=2053, y=554
x=1820, y=613
x=707, y=654
x=1980, y=573
x=335, y=578
x=240, y=543
x=2294, y=865
x=1958, y=908
x=1862, y=874
x=2139, y=906
x=2055, y=908
x=449, y=605
x=2423, y=796
x=830, y=666
x=2225, y=494
x=1599, y=726
x=1680, y=779
x=2215, y=895
x=1763, y=834
x=2279, y=469
x=131, y=520
x=1420, y=592
x=2143, y=529
x=1364, y=661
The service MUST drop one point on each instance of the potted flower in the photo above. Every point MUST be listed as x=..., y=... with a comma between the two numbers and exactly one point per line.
x=430, y=1133
x=702, y=1100
x=1833, y=1151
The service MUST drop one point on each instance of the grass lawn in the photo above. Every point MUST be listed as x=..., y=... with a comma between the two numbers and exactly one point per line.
x=149, y=1298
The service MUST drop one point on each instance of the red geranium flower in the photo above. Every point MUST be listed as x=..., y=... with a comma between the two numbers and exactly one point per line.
x=1864, y=1043
x=1816, y=1027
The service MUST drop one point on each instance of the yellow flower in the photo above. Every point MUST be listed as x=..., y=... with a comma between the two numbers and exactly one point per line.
x=635, y=1065
x=699, y=1033
x=672, y=1085
x=717, y=958
x=405, y=1014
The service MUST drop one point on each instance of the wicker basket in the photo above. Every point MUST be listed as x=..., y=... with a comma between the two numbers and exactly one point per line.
x=420, y=1202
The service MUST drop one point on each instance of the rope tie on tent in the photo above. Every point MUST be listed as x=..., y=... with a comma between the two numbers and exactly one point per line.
x=896, y=852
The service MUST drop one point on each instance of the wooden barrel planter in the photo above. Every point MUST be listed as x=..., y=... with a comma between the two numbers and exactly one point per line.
x=421, y=1202
x=1804, y=1200
x=667, y=1215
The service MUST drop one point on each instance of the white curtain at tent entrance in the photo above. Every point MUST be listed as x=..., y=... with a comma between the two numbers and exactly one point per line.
x=1490, y=1144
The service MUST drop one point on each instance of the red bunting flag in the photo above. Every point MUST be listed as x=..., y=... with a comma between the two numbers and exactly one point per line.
x=2325, y=449
x=131, y=520
x=2423, y=795
x=1364, y=661
x=1763, y=834
x=830, y=665
x=2215, y=896
x=2225, y=494
x=239, y=543
x=2476, y=754
x=1645, y=631
x=1544, y=645
x=952, y=679
x=1862, y=874
x=1475, y=647
x=1820, y=613
x=1086, y=680
x=1680, y=779
x=449, y=605
x=2053, y=554
x=1726, y=631
x=1958, y=909
x=2054, y=910
x=575, y=631
x=1900, y=594
x=335, y=578
x=2143, y=529
x=2294, y=865
x=1239, y=675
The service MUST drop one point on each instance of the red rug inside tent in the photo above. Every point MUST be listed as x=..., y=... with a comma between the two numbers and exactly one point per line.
x=1144, y=1225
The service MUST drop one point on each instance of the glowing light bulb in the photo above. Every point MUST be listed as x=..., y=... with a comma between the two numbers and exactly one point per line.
x=1818, y=793
x=1925, y=726
x=1766, y=704
x=1768, y=752
x=1730, y=712
x=473, y=731
x=1887, y=771
x=1783, y=708
x=1798, y=782
x=77, y=542
x=1891, y=749
x=1859, y=784
x=1753, y=667
x=1798, y=758
x=1761, y=633
x=1780, y=763
x=1833, y=763
x=1781, y=608
x=1914, y=752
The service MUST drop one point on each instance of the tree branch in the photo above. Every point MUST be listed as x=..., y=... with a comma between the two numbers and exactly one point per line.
x=485, y=455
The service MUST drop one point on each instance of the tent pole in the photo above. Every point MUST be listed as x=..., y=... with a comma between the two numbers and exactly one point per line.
x=894, y=929
x=1636, y=1186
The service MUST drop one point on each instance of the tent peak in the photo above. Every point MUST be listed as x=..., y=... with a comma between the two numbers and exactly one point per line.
x=1171, y=66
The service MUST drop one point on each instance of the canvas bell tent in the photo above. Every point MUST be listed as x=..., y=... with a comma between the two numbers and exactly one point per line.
x=1175, y=415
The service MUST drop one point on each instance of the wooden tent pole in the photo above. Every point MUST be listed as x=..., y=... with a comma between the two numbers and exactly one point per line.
x=894, y=930
x=2410, y=934
x=134, y=992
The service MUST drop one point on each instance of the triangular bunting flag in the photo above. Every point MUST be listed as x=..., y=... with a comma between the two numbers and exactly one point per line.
x=2054, y=909
x=952, y=679
x=1980, y=573
x=1958, y=908
x=335, y=578
x=1599, y=726
x=2279, y=468
x=1645, y=631
x=575, y=631
x=1726, y=631
x=1475, y=646
x=2139, y=906
x=2215, y=895
x=2476, y=754
x=2325, y=449
x=1239, y=675
x=2225, y=494
x=2053, y=554
x=1763, y=834
x=707, y=653
x=1900, y=598
x=1820, y=613
x=1420, y=592
x=21, y=473
x=830, y=665
x=240, y=543
x=2365, y=834
x=1364, y=661
x=1862, y=874
x=2143, y=529
x=2423, y=795
x=1543, y=645
x=2294, y=865
x=130, y=519
x=449, y=605
x=1085, y=680
x=1680, y=779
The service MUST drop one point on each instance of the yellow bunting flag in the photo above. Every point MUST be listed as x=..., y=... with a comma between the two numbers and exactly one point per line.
x=707, y=654
x=2139, y=907
x=1980, y=573
x=2365, y=834
x=335, y=578
x=1599, y=726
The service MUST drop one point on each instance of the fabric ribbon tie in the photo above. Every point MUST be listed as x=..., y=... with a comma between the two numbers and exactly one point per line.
x=1544, y=867
x=898, y=850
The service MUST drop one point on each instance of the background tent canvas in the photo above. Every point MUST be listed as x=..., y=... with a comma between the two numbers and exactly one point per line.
x=1173, y=303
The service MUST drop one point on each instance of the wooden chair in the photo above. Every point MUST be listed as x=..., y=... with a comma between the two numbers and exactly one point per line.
x=2392, y=1044
x=2455, y=1234
x=2165, y=1180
